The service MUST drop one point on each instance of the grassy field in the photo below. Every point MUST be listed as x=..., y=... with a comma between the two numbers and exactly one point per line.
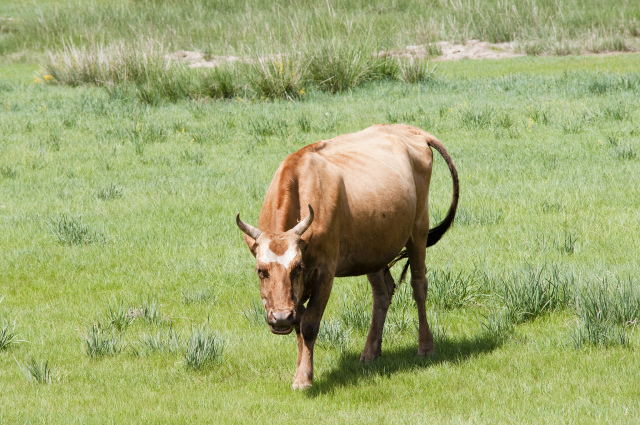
x=127, y=294
x=120, y=255
x=237, y=27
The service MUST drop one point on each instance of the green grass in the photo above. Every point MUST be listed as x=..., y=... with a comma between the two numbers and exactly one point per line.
x=114, y=237
x=232, y=26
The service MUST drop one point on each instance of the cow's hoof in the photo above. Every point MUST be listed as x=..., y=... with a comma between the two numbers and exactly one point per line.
x=427, y=352
x=301, y=385
x=366, y=357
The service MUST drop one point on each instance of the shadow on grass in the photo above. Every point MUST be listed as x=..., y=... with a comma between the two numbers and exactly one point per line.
x=350, y=371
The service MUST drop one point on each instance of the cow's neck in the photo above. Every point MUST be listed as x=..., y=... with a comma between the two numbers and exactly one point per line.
x=287, y=213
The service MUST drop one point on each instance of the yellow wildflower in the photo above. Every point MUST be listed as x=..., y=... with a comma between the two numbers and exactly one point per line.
x=48, y=77
x=37, y=80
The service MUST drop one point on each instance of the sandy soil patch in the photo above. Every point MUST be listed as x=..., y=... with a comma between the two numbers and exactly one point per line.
x=473, y=49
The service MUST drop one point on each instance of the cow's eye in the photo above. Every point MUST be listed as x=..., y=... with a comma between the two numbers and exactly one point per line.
x=299, y=267
x=262, y=273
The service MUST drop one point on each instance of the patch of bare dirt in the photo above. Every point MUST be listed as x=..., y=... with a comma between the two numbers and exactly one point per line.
x=473, y=49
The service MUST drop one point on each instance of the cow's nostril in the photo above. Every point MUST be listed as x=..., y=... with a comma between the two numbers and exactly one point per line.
x=282, y=317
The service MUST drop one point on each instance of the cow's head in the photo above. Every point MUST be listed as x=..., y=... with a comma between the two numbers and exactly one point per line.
x=280, y=269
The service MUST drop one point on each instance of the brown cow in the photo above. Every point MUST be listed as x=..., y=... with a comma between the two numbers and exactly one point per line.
x=369, y=192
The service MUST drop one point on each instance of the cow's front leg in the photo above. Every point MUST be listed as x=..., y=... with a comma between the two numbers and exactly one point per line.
x=307, y=332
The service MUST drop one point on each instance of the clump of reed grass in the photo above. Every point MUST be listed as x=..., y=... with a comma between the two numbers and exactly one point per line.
x=8, y=172
x=449, y=290
x=203, y=348
x=8, y=334
x=71, y=230
x=497, y=325
x=255, y=313
x=98, y=343
x=535, y=292
x=162, y=341
x=109, y=192
x=337, y=66
x=604, y=310
x=334, y=333
x=117, y=317
x=279, y=78
x=356, y=315
x=121, y=62
x=414, y=70
x=38, y=372
x=198, y=295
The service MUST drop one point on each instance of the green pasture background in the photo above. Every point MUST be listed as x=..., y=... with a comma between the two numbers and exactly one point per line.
x=524, y=185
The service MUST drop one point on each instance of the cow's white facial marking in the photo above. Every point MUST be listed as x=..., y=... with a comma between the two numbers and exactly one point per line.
x=266, y=256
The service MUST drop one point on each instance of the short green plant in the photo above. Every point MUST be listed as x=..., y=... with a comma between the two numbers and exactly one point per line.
x=8, y=334
x=163, y=341
x=255, y=313
x=198, y=295
x=8, y=172
x=534, y=292
x=413, y=70
x=118, y=317
x=191, y=156
x=483, y=216
x=203, y=348
x=356, y=313
x=476, y=117
x=110, y=191
x=71, y=230
x=98, y=342
x=333, y=333
x=449, y=290
x=497, y=325
x=38, y=372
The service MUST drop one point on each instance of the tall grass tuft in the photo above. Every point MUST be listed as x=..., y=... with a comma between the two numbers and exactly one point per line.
x=162, y=341
x=110, y=191
x=118, y=317
x=8, y=334
x=337, y=66
x=97, y=343
x=198, y=295
x=597, y=330
x=333, y=333
x=8, y=172
x=255, y=313
x=137, y=62
x=37, y=372
x=497, y=325
x=203, y=348
x=449, y=290
x=414, y=71
x=278, y=78
x=71, y=230
x=356, y=315
x=535, y=292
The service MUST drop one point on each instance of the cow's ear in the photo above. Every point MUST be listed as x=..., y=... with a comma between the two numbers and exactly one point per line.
x=252, y=244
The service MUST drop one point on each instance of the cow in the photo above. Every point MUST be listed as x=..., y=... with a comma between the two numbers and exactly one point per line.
x=349, y=206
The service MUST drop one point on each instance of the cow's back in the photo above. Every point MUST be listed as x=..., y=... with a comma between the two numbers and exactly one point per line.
x=368, y=190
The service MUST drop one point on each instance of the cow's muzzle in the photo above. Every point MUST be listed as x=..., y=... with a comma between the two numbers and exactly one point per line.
x=281, y=321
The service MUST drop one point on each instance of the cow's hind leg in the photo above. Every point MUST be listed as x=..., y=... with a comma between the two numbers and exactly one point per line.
x=382, y=286
x=416, y=248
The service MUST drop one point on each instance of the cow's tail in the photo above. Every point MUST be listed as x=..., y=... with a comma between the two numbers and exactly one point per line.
x=436, y=233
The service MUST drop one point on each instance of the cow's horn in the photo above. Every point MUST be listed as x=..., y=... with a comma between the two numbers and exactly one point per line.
x=304, y=224
x=247, y=228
